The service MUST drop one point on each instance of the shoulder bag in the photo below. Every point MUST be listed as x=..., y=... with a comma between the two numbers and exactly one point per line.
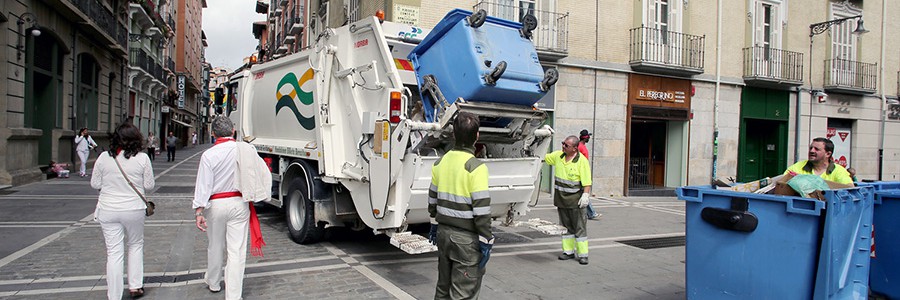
x=150, y=205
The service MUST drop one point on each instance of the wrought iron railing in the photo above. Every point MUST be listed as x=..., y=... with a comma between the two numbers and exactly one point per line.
x=171, y=64
x=667, y=48
x=104, y=19
x=776, y=64
x=139, y=58
x=552, y=32
x=171, y=22
x=639, y=173
x=851, y=74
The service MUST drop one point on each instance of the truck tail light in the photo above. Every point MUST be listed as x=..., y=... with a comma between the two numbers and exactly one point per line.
x=395, y=107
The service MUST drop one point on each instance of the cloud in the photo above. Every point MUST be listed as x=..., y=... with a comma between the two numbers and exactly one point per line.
x=228, y=26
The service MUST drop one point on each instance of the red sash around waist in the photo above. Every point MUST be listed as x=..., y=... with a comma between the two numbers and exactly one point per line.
x=256, y=239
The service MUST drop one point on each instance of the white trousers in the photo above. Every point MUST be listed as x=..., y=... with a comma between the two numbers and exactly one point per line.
x=228, y=223
x=83, y=155
x=121, y=228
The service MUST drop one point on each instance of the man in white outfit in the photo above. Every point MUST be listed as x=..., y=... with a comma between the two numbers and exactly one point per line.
x=230, y=175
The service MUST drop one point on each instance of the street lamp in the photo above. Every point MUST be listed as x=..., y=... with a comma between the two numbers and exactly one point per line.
x=33, y=30
x=816, y=29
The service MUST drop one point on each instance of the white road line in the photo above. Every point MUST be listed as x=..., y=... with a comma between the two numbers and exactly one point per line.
x=53, y=237
x=365, y=271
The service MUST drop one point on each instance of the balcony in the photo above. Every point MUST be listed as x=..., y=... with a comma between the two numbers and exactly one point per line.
x=138, y=58
x=551, y=36
x=296, y=26
x=96, y=21
x=850, y=77
x=772, y=68
x=289, y=40
x=262, y=7
x=666, y=52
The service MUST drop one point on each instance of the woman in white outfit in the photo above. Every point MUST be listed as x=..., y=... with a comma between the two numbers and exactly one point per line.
x=83, y=145
x=120, y=210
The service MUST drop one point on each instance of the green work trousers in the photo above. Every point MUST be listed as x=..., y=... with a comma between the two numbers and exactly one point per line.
x=575, y=240
x=458, y=257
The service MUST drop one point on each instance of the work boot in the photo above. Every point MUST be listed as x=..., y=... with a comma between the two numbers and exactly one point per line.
x=583, y=260
x=566, y=256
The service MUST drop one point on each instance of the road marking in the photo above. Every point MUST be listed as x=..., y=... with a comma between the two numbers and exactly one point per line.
x=365, y=271
x=66, y=231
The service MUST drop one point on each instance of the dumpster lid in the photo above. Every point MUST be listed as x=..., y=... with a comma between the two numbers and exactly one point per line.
x=447, y=22
x=843, y=271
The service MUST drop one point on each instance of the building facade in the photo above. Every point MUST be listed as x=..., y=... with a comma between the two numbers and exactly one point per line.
x=682, y=92
x=150, y=63
x=184, y=116
x=65, y=67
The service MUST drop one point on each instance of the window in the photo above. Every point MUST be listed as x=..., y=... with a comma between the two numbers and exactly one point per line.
x=843, y=45
x=767, y=24
x=663, y=15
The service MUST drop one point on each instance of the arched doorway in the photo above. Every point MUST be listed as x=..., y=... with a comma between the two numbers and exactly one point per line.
x=44, y=88
x=88, y=92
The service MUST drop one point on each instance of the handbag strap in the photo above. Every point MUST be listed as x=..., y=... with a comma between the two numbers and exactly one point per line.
x=129, y=181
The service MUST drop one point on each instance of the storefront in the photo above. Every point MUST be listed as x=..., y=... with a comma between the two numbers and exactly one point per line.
x=657, y=132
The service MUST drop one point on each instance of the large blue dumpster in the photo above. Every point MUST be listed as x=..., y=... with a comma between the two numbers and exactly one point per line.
x=884, y=276
x=461, y=57
x=753, y=246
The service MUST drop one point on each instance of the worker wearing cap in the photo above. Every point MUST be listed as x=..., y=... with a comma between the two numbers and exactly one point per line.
x=573, y=187
x=460, y=209
x=584, y=137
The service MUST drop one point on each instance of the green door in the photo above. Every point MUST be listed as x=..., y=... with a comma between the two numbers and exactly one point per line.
x=762, y=150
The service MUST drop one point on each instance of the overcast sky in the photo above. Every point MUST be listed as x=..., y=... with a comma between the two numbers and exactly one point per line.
x=228, y=25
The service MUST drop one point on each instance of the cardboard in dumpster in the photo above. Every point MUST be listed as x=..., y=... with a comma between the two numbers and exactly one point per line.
x=782, y=188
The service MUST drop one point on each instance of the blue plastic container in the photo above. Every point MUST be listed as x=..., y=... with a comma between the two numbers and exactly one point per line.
x=782, y=247
x=884, y=276
x=459, y=56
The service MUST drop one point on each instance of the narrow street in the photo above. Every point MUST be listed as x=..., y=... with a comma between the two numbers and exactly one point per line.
x=637, y=251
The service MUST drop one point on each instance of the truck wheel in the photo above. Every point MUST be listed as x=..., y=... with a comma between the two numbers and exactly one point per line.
x=299, y=214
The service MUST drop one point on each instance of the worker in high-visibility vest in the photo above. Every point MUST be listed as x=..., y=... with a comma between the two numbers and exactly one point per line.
x=573, y=189
x=460, y=208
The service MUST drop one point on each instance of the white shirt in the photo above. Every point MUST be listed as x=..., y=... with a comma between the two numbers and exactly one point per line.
x=216, y=173
x=115, y=193
x=82, y=144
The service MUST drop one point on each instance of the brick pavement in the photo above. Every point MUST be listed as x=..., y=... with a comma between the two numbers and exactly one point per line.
x=359, y=265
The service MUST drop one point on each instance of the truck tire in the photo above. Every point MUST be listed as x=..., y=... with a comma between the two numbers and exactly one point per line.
x=299, y=214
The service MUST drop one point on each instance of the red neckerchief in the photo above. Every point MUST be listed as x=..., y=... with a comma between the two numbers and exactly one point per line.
x=224, y=139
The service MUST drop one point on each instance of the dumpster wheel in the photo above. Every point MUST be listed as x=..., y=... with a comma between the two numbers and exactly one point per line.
x=477, y=19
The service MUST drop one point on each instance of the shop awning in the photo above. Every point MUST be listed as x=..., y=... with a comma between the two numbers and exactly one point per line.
x=182, y=123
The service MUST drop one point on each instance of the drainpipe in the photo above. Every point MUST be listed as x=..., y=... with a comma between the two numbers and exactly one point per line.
x=797, y=123
x=596, y=58
x=74, y=95
x=883, y=91
x=715, y=151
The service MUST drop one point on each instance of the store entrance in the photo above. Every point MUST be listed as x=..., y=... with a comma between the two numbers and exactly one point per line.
x=647, y=155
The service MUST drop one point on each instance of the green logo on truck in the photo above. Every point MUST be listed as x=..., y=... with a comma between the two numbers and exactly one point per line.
x=287, y=100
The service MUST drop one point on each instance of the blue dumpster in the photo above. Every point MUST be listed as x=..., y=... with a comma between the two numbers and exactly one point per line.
x=884, y=276
x=461, y=58
x=754, y=246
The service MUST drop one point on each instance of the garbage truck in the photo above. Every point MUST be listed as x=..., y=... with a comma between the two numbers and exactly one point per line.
x=351, y=127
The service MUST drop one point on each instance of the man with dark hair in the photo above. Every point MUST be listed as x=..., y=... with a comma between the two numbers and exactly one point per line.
x=572, y=195
x=460, y=209
x=171, y=142
x=583, y=139
x=820, y=162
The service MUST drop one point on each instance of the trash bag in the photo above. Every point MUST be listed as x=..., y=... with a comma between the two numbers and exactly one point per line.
x=806, y=184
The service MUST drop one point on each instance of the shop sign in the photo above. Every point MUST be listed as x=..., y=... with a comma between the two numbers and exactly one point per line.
x=840, y=136
x=406, y=14
x=667, y=96
x=180, y=91
x=164, y=109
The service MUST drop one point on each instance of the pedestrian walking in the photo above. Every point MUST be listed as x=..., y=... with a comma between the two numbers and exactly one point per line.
x=152, y=146
x=121, y=208
x=583, y=138
x=573, y=187
x=84, y=143
x=193, y=139
x=171, y=142
x=230, y=175
x=460, y=209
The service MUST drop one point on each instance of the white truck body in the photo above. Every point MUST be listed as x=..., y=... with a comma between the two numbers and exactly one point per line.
x=322, y=118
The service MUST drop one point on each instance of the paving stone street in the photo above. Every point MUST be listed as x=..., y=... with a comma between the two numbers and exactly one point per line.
x=53, y=249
